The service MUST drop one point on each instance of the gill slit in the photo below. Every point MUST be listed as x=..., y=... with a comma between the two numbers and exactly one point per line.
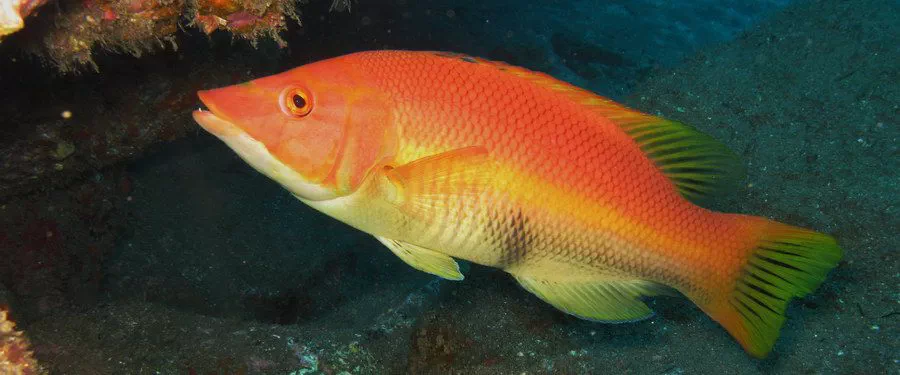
x=338, y=164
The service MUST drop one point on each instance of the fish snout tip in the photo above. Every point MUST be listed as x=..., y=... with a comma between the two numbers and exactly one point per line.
x=205, y=97
x=200, y=114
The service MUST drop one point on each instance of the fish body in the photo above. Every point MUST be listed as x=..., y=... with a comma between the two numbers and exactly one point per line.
x=587, y=203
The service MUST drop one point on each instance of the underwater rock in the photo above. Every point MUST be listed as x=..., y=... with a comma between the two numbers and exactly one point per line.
x=247, y=19
x=69, y=37
x=53, y=248
x=129, y=26
x=434, y=346
x=6, y=296
x=413, y=305
x=14, y=12
x=16, y=357
x=588, y=60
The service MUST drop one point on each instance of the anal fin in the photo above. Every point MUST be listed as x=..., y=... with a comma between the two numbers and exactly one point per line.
x=425, y=260
x=605, y=300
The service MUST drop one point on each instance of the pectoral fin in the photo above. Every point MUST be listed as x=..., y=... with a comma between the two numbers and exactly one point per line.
x=423, y=259
x=612, y=301
x=431, y=183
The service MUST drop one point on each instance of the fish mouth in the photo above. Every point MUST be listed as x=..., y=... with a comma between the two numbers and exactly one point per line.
x=214, y=124
x=210, y=121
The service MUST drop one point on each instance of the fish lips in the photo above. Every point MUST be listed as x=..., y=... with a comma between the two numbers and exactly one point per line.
x=215, y=125
x=210, y=121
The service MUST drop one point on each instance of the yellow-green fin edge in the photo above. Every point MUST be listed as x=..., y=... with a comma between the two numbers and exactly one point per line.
x=604, y=300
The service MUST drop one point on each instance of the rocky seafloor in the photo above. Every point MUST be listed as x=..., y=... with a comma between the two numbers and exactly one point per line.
x=169, y=255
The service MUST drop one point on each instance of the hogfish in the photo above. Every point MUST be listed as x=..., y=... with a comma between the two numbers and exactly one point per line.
x=589, y=205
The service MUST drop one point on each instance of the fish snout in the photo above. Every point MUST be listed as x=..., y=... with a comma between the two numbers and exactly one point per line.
x=216, y=118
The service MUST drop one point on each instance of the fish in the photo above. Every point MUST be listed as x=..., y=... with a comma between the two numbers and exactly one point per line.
x=590, y=205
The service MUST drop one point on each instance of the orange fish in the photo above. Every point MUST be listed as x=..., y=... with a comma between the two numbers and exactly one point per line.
x=587, y=203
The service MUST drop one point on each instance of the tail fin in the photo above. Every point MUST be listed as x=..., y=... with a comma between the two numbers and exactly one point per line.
x=787, y=262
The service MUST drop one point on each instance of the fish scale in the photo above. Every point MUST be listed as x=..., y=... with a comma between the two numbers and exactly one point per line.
x=590, y=205
x=478, y=121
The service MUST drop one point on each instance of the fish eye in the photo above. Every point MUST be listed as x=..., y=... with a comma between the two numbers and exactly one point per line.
x=297, y=103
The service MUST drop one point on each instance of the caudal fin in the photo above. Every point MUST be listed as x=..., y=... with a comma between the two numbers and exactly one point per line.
x=786, y=262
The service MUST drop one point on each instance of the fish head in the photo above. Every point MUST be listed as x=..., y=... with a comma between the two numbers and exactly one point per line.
x=318, y=130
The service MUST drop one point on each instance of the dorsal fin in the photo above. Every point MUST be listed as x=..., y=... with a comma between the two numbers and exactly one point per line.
x=698, y=165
